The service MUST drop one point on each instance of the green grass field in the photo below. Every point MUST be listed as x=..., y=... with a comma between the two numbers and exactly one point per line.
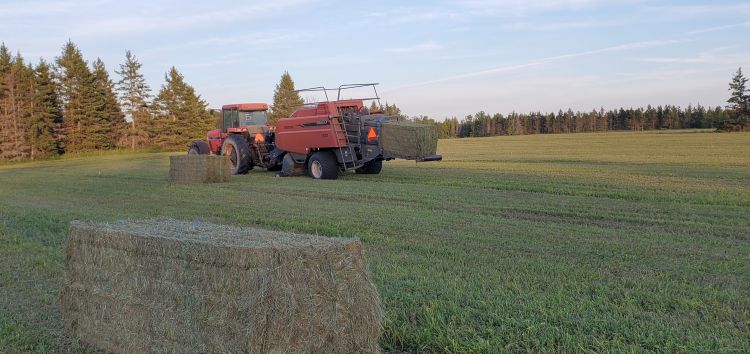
x=580, y=242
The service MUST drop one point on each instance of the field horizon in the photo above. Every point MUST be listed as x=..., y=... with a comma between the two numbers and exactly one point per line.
x=616, y=241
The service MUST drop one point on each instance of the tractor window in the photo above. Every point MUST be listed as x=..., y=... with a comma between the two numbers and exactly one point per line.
x=253, y=118
x=230, y=119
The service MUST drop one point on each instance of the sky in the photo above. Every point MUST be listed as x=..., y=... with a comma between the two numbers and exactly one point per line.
x=435, y=58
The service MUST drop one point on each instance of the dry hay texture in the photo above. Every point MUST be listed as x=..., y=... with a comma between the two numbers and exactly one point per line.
x=199, y=169
x=408, y=140
x=172, y=286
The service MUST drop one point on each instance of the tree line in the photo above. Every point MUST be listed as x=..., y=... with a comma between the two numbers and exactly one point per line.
x=71, y=105
x=735, y=117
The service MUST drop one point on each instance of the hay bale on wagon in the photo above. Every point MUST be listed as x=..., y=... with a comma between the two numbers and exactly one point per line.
x=171, y=286
x=199, y=169
x=408, y=140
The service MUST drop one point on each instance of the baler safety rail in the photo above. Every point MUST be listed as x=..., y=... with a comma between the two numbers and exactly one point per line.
x=344, y=87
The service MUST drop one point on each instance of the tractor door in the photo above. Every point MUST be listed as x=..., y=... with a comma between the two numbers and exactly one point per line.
x=230, y=118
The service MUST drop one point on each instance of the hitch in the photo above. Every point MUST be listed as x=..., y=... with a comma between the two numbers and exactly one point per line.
x=430, y=158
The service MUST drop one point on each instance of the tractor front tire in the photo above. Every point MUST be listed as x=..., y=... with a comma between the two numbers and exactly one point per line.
x=323, y=165
x=199, y=147
x=372, y=167
x=237, y=148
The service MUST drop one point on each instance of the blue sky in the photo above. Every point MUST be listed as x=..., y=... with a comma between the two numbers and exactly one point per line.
x=441, y=58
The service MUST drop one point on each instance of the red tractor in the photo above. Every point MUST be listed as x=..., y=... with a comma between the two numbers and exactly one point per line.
x=322, y=139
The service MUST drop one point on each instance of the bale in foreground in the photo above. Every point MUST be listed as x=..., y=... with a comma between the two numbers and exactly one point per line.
x=171, y=286
x=199, y=169
x=408, y=140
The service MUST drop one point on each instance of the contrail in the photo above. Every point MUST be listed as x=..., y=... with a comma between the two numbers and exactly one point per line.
x=617, y=48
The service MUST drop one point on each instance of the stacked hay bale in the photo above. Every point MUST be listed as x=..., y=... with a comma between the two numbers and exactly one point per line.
x=199, y=169
x=408, y=140
x=171, y=286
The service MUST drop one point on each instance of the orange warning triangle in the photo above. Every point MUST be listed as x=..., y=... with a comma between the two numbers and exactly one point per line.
x=372, y=135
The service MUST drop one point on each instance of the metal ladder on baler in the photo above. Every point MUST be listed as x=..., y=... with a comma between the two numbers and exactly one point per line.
x=347, y=138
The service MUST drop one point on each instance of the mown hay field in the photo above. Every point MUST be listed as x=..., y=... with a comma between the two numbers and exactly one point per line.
x=580, y=242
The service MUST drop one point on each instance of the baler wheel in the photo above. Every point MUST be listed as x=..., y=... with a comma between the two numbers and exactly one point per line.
x=372, y=167
x=323, y=165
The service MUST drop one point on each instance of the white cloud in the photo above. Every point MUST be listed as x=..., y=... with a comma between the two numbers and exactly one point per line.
x=172, y=20
x=524, y=8
x=421, y=47
x=716, y=56
x=720, y=28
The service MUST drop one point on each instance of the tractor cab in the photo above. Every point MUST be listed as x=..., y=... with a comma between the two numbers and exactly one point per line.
x=244, y=117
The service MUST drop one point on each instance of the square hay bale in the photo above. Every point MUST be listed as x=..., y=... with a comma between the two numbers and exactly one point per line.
x=199, y=169
x=408, y=140
x=173, y=286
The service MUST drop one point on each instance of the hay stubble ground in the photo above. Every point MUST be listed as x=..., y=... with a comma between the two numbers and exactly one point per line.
x=580, y=242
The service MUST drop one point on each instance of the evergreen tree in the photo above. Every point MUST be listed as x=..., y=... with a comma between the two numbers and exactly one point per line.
x=46, y=115
x=18, y=87
x=134, y=95
x=181, y=114
x=5, y=115
x=739, y=104
x=111, y=114
x=84, y=125
x=285, y=99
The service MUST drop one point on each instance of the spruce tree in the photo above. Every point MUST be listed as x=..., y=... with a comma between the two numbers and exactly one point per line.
x=111, y=114
x=739, y=104
x=5, y=117
x=73, y=75
x=46, y=114
x=18, y=86
x=181, y=114
x=285, y=99
x=134, y=95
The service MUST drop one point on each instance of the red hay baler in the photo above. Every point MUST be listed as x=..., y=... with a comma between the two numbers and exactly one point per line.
x=322, y=139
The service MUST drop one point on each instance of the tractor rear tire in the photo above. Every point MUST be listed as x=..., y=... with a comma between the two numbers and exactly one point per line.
x=372, y=167
x=323, y=165
x=199, y=147
x=237, y=148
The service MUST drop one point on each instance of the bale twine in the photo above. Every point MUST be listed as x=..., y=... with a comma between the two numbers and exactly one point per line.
x=172, y=286
x=199, y=169
x=408, y=140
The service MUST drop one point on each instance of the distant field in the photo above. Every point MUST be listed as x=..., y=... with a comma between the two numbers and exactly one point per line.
x=579, y=242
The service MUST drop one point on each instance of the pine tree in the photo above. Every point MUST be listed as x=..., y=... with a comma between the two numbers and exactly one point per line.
x=181, y=114
x=285, y=99
x=134, y=96
x=46, y=115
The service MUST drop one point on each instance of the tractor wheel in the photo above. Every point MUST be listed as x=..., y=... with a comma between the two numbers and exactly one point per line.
x=323, y=165
x=372, y=167
x=199, y=147
x=236, y=147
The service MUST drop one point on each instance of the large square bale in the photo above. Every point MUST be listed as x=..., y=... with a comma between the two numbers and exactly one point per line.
x=408, y=140
x=173, y=286
x=199, y=169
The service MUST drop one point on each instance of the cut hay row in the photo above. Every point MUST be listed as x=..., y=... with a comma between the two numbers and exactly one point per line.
x=199, y=169
x=408, y=140
x=171, y=286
